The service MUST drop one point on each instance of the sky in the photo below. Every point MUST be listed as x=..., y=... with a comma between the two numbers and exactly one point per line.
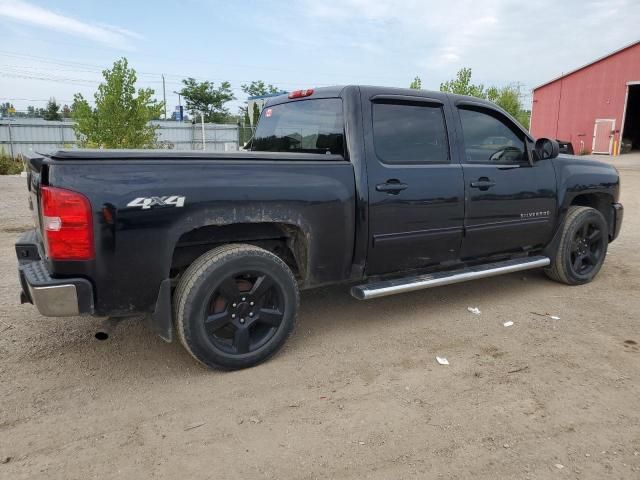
x=56, y=48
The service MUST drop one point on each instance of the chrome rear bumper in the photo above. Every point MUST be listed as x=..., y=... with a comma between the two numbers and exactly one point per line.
x=55, y=300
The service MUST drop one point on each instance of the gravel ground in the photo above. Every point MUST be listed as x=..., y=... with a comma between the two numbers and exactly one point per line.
x=356, y=393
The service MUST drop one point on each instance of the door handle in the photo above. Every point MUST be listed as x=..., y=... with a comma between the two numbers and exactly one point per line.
x=392, y=186
x=483, y=183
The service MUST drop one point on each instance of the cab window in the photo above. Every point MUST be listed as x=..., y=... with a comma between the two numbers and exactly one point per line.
x=489, y=139
x=410, y=133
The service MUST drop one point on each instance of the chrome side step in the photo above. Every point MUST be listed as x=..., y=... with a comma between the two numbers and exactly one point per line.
x=437, y=279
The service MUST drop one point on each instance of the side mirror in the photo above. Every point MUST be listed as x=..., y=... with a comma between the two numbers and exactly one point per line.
x=546, y=148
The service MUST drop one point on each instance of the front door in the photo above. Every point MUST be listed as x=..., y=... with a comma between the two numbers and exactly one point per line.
x=603, y=136
x=416, y=191
x=511, y=205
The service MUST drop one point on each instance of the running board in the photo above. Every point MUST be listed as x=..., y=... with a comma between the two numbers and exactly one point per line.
x=418, y=282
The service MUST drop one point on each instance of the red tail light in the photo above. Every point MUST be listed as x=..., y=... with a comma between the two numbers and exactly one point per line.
x=67, y=224
x=301, y=93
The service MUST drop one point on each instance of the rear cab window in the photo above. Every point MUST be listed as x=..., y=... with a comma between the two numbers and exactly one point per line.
x=303, y=126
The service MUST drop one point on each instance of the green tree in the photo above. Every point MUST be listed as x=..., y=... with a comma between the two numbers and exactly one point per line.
x=462, y=85
x=509, y=99
x=33, y=112
x=256, y=114
x=51, y=111
x=416, y=84
x=5, y=108
x=205, y=97
x=255, y=89
x=258, y=87
x=120, y=118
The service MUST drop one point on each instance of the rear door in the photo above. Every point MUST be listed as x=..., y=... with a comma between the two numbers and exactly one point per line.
x=416, y=191
x=510, y=205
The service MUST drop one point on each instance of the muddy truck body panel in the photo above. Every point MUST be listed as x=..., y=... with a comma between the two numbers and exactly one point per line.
x=136, y=245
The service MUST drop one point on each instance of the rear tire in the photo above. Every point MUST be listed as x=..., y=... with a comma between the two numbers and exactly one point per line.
x=235, y=306
x=582, y=248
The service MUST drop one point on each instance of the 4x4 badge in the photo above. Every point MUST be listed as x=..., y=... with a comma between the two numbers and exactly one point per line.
x=148, y=202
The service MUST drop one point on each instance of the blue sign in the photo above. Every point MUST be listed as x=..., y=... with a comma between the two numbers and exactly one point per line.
x=179, y=113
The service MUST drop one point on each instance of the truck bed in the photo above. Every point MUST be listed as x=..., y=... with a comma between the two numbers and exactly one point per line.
x=311, y=194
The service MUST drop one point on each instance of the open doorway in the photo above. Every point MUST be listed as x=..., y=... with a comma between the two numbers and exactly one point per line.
x=631, y=126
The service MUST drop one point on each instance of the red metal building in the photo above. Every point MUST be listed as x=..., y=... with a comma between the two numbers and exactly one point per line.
x=595, y=106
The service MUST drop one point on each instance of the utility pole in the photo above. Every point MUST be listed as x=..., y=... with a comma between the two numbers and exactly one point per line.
x=10, y=138
x=164, y=97
x=204, y=145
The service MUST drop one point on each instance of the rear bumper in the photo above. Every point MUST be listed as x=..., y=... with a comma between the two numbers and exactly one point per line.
x=618, y=213
x=53, y=297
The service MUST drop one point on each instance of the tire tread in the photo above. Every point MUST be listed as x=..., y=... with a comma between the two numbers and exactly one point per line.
x=558, y=271
x=194, y=273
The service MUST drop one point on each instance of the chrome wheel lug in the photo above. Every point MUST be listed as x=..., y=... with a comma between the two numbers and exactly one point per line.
x=252, y=303
x=233, y=315
x=251, y=314
x=234, y=305
x=242, y=320
x=243, y=299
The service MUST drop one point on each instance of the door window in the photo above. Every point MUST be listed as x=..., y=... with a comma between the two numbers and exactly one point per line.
x=409, y=133
x=488, y=139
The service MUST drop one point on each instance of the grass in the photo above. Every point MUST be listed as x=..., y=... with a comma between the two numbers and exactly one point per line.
x=10, y=166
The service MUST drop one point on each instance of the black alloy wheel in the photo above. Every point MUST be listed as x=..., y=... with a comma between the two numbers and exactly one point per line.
x=235, y=306
x=587, y=248
x=244, y=312
x=581, y=248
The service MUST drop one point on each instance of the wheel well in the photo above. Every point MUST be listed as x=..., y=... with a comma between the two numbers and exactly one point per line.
x=286, y=241
x=600, y=201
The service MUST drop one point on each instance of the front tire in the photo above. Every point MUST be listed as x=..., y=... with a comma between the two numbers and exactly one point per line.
x=235, y=306
x=582, y=248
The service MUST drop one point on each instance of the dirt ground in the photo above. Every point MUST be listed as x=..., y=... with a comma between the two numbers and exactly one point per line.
x=356, y=393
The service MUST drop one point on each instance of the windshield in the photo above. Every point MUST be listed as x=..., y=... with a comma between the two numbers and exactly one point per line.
x=306, y=126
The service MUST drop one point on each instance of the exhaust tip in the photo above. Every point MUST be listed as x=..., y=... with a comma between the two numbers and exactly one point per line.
x=106, y=328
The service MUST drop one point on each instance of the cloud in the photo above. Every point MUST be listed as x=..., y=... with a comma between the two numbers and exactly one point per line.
x=449, y=29
x=502, y=40
x=24, y=12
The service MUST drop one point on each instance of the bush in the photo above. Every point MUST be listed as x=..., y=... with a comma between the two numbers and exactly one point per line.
x=10, y=166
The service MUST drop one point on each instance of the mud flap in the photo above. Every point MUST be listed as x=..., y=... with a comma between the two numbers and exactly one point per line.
x=161, y=319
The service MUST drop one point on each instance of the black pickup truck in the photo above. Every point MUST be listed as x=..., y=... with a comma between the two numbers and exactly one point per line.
x=390, y=190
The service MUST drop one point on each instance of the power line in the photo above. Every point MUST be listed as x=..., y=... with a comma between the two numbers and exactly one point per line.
x=85, y=67
x=80, y=82
x=89, y=68
x=30, y=99
x=200, y=62
x=37, y=73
